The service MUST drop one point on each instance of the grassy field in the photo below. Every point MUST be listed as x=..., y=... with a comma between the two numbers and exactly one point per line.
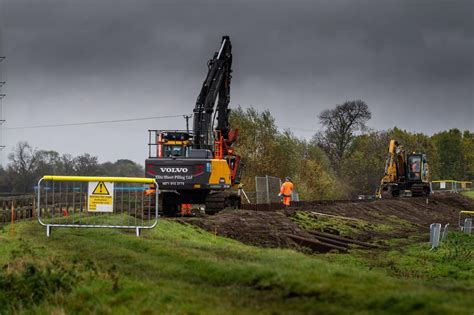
x=179, y=269
x=469, y=194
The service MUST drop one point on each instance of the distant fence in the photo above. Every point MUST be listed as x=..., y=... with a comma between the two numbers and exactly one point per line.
x=265, y=197
x=21, y=207
x=450, y=186
x=267, y=189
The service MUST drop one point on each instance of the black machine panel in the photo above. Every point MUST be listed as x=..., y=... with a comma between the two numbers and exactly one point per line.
x=179, y=173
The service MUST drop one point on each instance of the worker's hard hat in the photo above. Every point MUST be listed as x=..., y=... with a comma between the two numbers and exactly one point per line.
x=288, y=179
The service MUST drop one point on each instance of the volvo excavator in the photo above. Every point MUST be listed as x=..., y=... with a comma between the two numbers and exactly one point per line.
x=405, y=174
x=200, y=166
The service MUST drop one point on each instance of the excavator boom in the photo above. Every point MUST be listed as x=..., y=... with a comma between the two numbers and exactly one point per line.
x=216, y=85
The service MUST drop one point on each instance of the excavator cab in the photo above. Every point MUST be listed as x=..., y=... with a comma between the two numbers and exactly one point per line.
x=417, y=170
x=174, y=150
x=405, y=174
x=414, y=169
x=169, y=143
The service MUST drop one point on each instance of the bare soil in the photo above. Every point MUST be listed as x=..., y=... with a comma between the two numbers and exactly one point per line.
x=407, y=216
x=440, y=208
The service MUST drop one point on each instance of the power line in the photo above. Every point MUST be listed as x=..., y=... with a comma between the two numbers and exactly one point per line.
x=92, y=122
x=128, y=120
x=297, y=128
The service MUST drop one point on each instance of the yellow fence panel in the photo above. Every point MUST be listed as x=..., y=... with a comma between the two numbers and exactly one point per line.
x=96, y=202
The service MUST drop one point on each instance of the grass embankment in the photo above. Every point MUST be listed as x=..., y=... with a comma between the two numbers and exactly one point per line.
x=335, y=225
x=469, y=193
x=350, y=227
x=180, y=269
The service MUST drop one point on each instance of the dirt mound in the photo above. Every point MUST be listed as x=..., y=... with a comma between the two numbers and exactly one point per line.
x=442, y=208
x=404, y=216
x=266, y=229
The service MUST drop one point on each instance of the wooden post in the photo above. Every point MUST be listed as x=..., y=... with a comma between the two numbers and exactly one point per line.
x=13, y=219
x=33, y=208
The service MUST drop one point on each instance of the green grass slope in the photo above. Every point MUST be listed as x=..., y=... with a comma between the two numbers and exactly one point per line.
x=469, y=193
x=179, y=269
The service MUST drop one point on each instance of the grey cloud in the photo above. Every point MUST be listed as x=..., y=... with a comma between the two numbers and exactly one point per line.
x=295, y=58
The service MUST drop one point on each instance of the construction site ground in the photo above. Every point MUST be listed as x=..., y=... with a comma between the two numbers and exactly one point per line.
x=377, y=222
x=179, y=268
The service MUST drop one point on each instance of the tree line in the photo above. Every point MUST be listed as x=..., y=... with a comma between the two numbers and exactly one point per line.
x=27, y=165
x=346, y=158
x=343, y=160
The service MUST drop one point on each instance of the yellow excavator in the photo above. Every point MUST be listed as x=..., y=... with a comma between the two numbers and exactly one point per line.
x=405, y=174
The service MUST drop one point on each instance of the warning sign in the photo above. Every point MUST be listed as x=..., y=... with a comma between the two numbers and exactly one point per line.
x=100, y=197
x=100, y=189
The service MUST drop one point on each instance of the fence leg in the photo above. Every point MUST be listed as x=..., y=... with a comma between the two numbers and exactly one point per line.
x=268, y=189
x=48, y=230
x=435, y=230
x=138, y=231
x=445, y=232
x=467, y=226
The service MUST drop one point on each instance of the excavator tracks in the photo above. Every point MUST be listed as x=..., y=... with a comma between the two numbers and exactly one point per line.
x=418, y=190
x=218, y=201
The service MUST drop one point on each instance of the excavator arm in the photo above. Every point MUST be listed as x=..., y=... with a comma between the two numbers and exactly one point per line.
x=216, y=85
x=395, y=166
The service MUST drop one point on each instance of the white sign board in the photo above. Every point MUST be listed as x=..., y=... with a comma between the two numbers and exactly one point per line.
x=100, y=197
x=442, y=185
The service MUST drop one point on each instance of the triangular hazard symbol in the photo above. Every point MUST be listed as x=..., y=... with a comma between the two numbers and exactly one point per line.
x=100, y=189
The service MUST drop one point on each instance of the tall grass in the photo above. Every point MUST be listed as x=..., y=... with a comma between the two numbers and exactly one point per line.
x=180, y=269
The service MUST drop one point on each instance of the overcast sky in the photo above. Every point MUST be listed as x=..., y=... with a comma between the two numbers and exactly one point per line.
x=77, y=61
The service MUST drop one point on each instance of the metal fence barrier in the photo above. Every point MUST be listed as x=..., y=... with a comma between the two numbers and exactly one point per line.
x=467, y=228
x=450, y=186
x=463, y=216
x=266, y=198
x=435, y=233
x=267, y=189
x=96, y=202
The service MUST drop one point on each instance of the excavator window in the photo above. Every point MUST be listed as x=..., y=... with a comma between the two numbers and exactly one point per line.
x=414, y=170
x=174, y=150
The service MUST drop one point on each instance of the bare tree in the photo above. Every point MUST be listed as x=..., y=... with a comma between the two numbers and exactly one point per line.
x=27, y=165
x=23, y=158
x=23, y=162
x=341, y=124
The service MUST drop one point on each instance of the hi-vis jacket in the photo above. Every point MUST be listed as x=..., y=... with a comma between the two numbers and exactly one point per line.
x=286, y=189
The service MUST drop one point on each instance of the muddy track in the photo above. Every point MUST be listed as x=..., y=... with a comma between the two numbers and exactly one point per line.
x=408, y=216
x=439, y=208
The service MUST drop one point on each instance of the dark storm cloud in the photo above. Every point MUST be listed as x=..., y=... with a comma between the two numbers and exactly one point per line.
x=273, y=38
x=294, y=57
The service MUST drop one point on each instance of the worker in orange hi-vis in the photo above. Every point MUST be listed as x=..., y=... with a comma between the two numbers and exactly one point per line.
x=286, y=190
